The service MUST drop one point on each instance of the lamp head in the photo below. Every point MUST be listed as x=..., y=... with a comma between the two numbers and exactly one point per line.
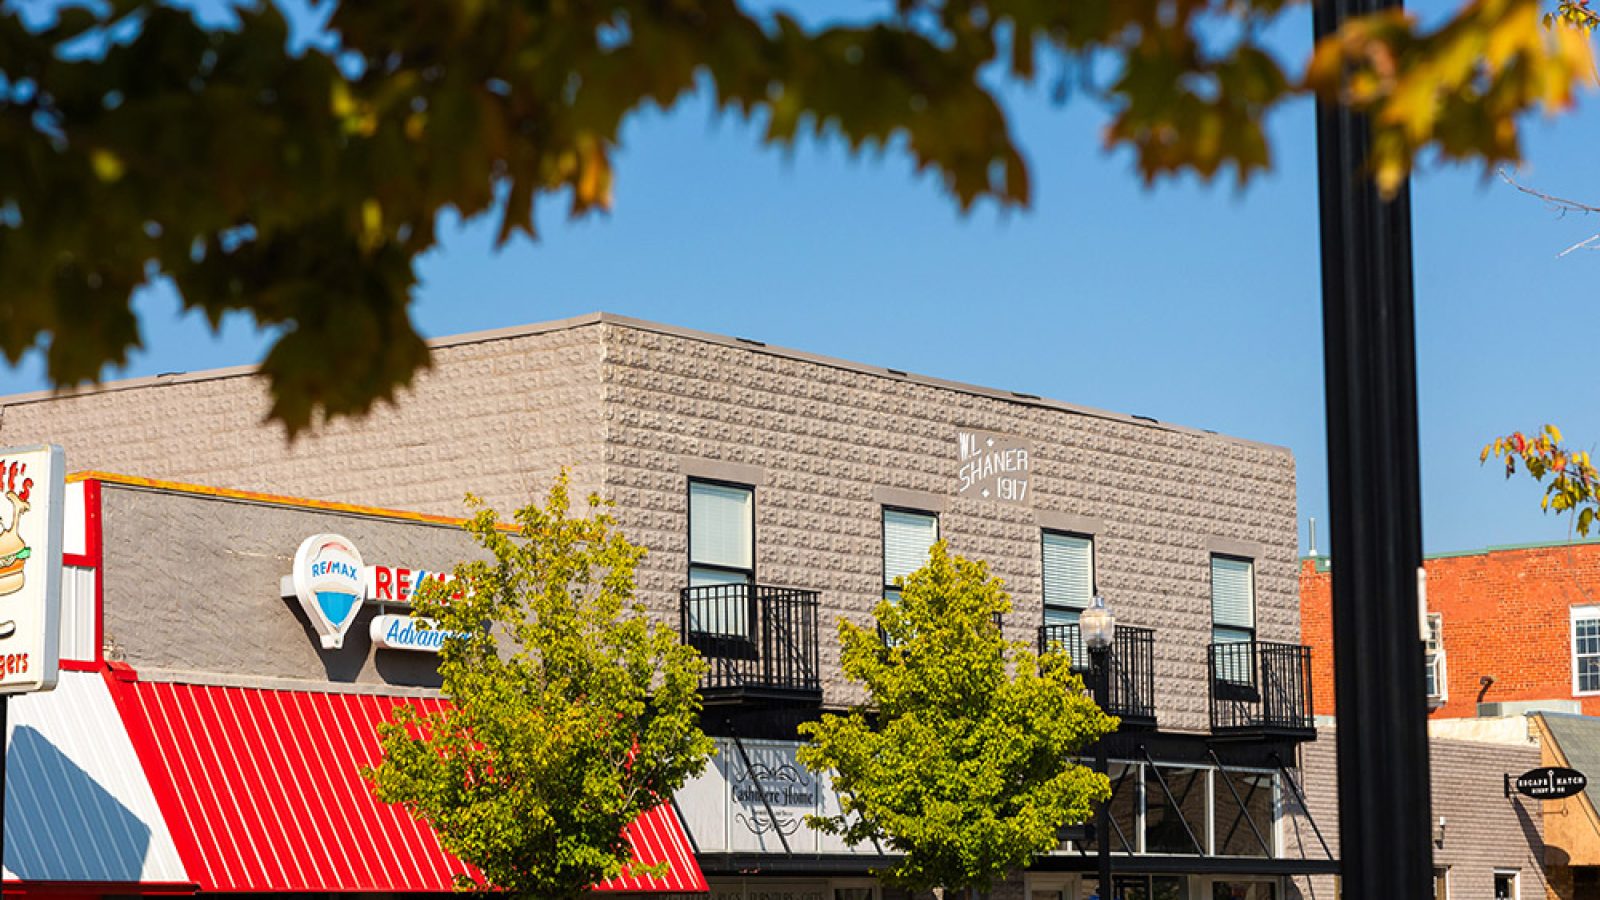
x=1097, y=625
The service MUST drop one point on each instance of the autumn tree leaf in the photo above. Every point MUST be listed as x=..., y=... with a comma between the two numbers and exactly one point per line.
x=277, y=180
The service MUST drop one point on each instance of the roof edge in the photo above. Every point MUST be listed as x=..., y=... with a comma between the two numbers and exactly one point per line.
x=621, y=321
x=1017, y=397
x=264, y=499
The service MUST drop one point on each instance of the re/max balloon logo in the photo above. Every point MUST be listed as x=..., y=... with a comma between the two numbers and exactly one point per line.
x=327, y=582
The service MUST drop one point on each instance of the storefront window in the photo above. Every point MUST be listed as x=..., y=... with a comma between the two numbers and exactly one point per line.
x=1243, y=890
x=1175, y=810
x=1124, y=810
x=1244, y=830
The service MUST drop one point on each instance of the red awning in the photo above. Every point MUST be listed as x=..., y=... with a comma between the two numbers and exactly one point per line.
x=261, y=791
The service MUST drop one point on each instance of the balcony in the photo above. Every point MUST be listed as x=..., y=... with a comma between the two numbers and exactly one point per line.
x=1261, y=690
x=759, y=641
x=1132, y=688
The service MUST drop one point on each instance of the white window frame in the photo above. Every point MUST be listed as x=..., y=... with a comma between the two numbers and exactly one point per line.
x=1516, y=881
x=1249, y=630
x=1576, y=614
x=748, y=572
x=1436, y=660
x=1442, y=873
x=890, y=592
x=1045, y=534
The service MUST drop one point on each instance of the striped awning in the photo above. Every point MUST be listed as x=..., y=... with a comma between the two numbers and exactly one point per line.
x=262, y=792
x=78, y=806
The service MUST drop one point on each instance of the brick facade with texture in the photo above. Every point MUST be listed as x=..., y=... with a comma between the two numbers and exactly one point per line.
x=637, y=408
x=1504, y=613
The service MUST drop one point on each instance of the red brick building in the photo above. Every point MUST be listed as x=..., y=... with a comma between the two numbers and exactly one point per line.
x=1513, y=625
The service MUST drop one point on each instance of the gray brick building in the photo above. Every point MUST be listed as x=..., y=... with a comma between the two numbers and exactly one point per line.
x=760, y=477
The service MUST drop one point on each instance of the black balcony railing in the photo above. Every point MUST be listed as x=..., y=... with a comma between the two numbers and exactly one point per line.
x=758, y=640
x=1132, y=685
x=1261, y=689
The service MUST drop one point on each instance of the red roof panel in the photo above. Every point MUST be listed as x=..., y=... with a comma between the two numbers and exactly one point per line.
x=261, y=791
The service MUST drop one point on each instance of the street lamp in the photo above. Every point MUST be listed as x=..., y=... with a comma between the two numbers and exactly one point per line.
x=1098, y=627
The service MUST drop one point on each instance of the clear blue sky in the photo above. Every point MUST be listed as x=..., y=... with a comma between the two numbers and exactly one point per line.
x=1193, y=304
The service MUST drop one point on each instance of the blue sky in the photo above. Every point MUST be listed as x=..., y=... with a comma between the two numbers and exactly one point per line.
x=1190, y=303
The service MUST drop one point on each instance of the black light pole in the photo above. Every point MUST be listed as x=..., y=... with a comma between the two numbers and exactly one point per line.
x=1099, y=657
x=1098, y=627
x=1369, y=357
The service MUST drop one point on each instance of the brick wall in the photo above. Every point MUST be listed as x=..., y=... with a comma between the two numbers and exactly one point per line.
x=633, y=406
x=827, y=439
x=1316, y=631
x=1503, y=613
x=496, y=415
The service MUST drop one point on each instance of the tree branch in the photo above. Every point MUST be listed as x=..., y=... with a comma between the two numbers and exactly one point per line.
x=1560, y=204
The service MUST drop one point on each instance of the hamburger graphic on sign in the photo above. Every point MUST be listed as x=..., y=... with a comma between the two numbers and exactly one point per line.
x=14, y=551
x=32, y=488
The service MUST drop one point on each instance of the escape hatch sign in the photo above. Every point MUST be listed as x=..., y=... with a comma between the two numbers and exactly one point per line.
x=993, y=467
x=1548, y=783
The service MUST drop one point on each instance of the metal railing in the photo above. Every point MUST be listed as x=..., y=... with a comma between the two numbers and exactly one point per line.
x=1132, y=676
x=753, y=636
x=1260, y=685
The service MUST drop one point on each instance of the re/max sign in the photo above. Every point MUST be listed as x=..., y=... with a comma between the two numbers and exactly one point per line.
x=397, y=584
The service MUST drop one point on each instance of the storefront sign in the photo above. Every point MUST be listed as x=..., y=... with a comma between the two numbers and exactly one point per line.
x=1549, y=783
x=331, y=583
x=993, y=467
x=772, y=794
x=755, y=796
x=408, y=633
x=396, y=584
x=327, y=581
x=33, y=486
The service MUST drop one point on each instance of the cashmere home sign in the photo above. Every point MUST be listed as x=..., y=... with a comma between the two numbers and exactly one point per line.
x=993, y=467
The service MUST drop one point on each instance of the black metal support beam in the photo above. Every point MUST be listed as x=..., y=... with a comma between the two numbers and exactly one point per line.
x=1300, y=798
x=1102, y=691
x=767, y=804
x=1374, y=502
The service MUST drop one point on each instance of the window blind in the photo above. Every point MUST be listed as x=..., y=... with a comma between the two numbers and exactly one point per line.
x=721, y=525
x=1068, y=570
x=906, y=539
x=1233, y=603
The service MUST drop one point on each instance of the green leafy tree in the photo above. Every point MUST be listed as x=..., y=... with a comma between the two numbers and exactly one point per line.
x=963, y=758
x=299, y=184
x=571, y=712
x=1573, y=485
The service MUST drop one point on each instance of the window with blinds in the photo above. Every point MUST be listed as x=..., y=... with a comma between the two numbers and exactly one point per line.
x=1068, y=568
x=1233, y=600
x=907, y=537
x=722, y=528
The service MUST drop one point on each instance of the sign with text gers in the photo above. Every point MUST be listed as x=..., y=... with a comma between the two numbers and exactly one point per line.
x=33, y=486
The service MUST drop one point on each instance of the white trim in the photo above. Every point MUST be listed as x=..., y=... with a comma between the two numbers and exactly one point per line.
x=1574, y=613
x=1516, y=881
x=1437, y=658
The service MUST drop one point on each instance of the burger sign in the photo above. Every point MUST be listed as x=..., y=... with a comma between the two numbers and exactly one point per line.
x=32, y=485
